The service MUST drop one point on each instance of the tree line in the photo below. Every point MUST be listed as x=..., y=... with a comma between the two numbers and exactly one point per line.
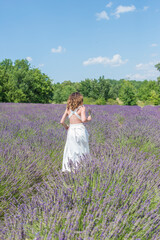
x=19, y=82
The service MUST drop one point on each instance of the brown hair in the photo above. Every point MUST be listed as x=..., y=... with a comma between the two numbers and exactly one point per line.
x=74, y=101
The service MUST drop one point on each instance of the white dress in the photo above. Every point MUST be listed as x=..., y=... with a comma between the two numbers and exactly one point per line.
x=76, y=144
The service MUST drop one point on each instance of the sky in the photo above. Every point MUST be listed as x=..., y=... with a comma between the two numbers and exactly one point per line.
x=79, y=39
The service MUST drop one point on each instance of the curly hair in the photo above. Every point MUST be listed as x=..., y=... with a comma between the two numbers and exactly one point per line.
x=74, y=101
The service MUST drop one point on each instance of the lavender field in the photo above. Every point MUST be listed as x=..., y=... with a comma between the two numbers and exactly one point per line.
x=113, y=195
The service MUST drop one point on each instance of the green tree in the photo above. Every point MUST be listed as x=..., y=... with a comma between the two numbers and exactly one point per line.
x=94, y=89
x=21, y=83
x=128, y=93
x=154, y=97
x=67, y=89
x=57, y=88
x=101, y=101
x=85, y=87
x=114, y=91
x=158, y=79
x=104, y=86
x=147, y=90
x=63, y=90
x=158, y=66
x=6, y=67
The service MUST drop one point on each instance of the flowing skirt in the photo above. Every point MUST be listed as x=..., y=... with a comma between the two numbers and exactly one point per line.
x=76, y=145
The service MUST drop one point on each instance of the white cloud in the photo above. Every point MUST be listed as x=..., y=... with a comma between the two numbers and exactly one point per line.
x=57, y=50
x=154, y=45
x=145, y=8
x=123, y=9
x=146, y=71
x=29, y=59
x=139, y=65
x=137, y=76
x=102, y=15
x=144, y=66
x=41, y=65
x=115, y=61
x=109, y=5
x=154, y=54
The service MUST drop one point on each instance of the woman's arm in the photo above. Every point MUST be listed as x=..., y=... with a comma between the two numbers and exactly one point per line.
x=83, y=115
x=63, y=120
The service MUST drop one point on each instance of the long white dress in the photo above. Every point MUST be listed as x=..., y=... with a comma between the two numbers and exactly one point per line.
x=77, y=144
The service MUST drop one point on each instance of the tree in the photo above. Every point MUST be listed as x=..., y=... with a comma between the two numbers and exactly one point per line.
x=6, y=67
x=154, y=97
x=113, y=91
x=101, y=101
x=21, y=83
x=128, y=93
x=158, y=66
x=104, y=86
x=94, y=89
x=144, y=92
x=158, y=79
x=85, y=87
x=57, y=88
x=67, y=89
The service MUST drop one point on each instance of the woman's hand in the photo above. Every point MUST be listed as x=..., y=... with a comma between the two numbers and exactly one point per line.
x=89, y=118
x=89, y=111
x=67, y=127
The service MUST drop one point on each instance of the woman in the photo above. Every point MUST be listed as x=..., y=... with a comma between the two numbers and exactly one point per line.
x=77, y=136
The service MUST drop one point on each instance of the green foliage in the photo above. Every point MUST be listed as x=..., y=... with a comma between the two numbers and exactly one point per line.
x=158, y=66
x=149, y=92
x=95, y=88
x=88, y=101
x=101, y=101
x=58, y=98
x=63, y=90
x=128, y=93
x=145, y=90
x=154, y=97
x=85, y=87
x=21, y=83
x=104, y=88
x=112, y=102
x=113, y=91
x=140, y=103
x=158, y=85
x=67, y=89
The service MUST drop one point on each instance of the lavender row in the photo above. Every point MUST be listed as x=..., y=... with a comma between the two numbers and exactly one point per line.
x=113, y=196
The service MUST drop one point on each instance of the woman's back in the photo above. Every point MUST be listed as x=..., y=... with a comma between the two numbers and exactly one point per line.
x=75, y=116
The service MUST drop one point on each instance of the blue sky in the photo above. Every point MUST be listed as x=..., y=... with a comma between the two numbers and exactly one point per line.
x=74, y=40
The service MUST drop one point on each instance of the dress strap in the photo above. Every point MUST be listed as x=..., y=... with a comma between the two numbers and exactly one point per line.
x=77, y=115
x=75, y=112
x=78, y=108
x=70, y=114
